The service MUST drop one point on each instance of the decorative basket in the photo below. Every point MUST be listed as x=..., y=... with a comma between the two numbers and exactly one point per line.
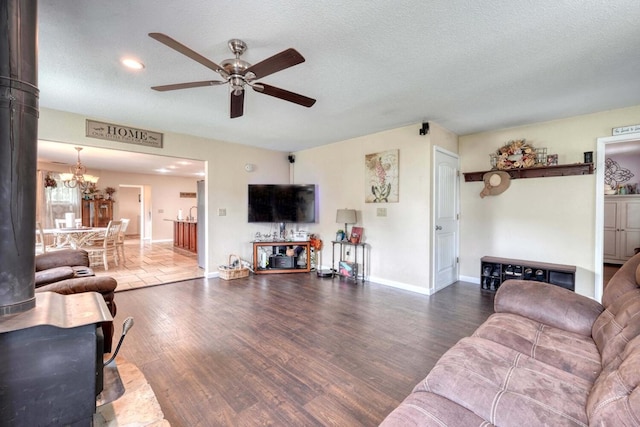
x=227, y=272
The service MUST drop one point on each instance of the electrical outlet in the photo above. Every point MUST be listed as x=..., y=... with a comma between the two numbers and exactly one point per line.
x=381, y=212
x=222, y=212
x=160, y=211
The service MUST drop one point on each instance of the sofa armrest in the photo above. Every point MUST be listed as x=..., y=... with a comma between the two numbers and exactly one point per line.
x=67, y=257
x=548, y=304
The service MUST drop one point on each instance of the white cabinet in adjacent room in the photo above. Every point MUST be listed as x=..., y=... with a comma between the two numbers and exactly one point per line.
x=621, y=228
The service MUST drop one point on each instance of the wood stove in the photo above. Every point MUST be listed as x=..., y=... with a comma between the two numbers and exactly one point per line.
x=51, y=361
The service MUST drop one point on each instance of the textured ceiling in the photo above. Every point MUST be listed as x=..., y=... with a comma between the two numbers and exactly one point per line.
x=372, y=65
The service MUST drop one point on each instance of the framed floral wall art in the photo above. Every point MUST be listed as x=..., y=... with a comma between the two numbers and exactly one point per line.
x=381, y=181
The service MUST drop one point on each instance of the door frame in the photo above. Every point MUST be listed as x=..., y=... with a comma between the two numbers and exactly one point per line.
x=432, y=286
x=601, y=144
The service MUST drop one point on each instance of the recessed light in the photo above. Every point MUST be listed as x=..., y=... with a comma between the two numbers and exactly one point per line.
x=132, y=63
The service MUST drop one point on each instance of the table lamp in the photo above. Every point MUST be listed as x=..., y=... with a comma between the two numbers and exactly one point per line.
x=348, y=216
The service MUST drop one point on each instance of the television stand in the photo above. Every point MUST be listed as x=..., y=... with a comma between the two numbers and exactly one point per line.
x=283, y=264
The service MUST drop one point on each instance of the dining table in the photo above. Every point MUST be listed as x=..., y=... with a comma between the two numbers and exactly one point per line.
x=75, y=237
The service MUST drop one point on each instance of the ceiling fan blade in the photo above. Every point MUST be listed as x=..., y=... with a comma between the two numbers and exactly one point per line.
x=284, y=94
x=177, y=46
x=237, y=104
x=279, y=61
x=164, y=88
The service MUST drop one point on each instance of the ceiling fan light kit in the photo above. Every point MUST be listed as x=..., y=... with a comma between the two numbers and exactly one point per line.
x=239, y=73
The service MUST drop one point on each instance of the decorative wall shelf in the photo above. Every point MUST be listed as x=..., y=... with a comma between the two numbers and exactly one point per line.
x=538, y=172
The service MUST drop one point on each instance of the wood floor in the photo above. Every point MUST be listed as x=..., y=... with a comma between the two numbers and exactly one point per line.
x=290, y=349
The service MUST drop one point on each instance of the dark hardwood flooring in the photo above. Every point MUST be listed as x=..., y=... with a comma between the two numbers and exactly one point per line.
x=290, y=349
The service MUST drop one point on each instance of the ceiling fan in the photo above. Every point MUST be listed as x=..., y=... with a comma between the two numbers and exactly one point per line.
x=239, y=73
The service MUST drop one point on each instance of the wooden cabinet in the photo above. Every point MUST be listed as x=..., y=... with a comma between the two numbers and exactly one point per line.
x=185, y=235
x=494, y=271
x=621, y=228
x=97, y=213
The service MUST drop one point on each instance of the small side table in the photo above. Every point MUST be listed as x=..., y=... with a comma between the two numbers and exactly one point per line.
x=343, y=245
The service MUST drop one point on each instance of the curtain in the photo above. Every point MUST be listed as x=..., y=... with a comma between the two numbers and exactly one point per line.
x=52, y=203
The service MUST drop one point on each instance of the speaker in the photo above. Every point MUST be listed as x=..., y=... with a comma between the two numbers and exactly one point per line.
x=425, y=128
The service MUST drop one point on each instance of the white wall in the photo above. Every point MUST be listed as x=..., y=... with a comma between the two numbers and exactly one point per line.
x=541, y=219
x=226, y=184
x=399, y=243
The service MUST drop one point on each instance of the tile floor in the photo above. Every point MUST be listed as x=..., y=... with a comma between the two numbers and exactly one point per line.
x=148, y=264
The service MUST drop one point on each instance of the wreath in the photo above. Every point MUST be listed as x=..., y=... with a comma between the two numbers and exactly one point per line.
x=515, y=154
x=49, y=182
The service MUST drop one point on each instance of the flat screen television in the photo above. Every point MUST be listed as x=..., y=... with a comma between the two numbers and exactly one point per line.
x=292, y=203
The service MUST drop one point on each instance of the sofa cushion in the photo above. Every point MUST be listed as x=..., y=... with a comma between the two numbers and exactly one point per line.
x=548, y=304
x=506, y=387
x=70, y=257
x=571, y=352
x=55, y=274
x=617, y=325
x=425, y=409
x=615, y=397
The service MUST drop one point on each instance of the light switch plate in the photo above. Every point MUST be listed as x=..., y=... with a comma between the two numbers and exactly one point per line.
x=381, y=212
x=222, y=212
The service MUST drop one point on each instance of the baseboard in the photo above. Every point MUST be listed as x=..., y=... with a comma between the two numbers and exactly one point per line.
x=470, y=279
x=400, y=285
x=212, y=275
x=161, y=240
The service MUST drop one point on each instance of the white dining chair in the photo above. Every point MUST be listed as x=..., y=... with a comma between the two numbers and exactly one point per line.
x=120, y=239
x=104, y=247
x=41, y=246
x=60, y=239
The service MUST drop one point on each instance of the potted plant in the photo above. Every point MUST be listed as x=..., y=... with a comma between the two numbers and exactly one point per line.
x=109, y=191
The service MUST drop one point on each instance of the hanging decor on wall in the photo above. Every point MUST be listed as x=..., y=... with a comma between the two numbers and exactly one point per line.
x=381, y=183
x=516, y=154
x=614, y=174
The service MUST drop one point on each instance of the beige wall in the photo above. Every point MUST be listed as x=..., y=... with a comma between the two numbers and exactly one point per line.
x=226, y=178
x=399, y=243
x=542, y=219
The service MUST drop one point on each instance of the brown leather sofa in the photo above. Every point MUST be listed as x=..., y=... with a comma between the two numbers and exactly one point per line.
x=67, y=272
x=546, y=357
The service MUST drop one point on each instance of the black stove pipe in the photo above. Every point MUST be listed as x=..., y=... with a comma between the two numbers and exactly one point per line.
x=18, y=153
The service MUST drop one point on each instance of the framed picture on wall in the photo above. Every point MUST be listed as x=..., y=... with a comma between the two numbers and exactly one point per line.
x=552, y=159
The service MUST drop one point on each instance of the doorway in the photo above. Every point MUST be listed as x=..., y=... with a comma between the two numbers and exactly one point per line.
x=132, y=207
x=630, y=140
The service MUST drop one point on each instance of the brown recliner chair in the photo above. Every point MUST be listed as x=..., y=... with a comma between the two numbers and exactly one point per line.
x=67, y=272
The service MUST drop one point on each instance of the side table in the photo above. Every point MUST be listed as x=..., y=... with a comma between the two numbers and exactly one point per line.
x=354, y=272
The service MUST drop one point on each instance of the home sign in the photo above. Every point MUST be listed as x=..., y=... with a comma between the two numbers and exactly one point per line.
x=126, y=134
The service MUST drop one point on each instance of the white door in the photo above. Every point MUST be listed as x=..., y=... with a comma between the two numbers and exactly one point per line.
x=445, y=218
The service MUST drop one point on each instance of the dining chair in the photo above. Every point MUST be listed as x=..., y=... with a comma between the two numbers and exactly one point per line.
x=102, y=248
x=120, y=239
x=60, y=239
x=41, y=246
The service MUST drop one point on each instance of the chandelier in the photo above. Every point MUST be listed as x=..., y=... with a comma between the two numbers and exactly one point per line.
x=77, y=177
